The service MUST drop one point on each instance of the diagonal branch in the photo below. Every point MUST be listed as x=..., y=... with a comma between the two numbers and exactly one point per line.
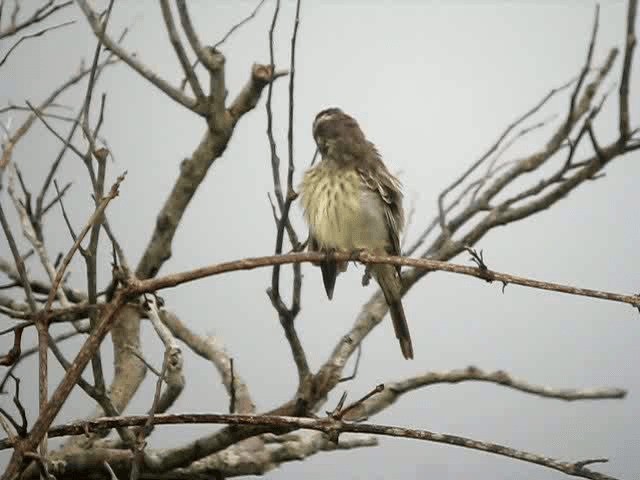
x=33, y=35
x=211, y=349
x=180, y=51
x=536, y=108
x=203, y=55
x=10, y=144
x=22, y=271
x=38, y=16
x=193, y=171
x=104, y=202
x=173, y=93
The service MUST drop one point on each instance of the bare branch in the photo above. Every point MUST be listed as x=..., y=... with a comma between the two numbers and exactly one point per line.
x=33, y=35
x=495, y=146
x=205, y=56
x=275, y=159
x=38, y=16
x=40, y=211
x=40, y=286
x=287, y=315
x=247, y=99
x=180, y=51
x=443, y=243
x=211, y=348
x=173, y=93
x=64, y=212
x=193, y=171
x=394, y=390
x=10, y=144
x=26, y=285
x=583, y=74
x=173, y=280
x=113, y=193
x=630, y=43
x=330, y=426
x=57, y=399
x=239, y=24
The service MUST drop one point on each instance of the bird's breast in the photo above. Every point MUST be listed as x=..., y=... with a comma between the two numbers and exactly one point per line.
x=342, y=214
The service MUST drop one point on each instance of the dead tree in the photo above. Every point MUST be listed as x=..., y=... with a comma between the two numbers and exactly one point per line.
x=486, y=195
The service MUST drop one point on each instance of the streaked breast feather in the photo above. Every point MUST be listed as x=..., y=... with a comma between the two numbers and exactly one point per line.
x=331, y=202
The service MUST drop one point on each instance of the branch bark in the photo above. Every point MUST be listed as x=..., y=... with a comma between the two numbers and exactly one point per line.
x=331, y=427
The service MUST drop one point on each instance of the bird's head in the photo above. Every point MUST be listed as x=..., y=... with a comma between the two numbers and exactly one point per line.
x=337, y=135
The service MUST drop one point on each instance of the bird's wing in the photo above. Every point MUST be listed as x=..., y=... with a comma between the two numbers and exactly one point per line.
x=380, y=181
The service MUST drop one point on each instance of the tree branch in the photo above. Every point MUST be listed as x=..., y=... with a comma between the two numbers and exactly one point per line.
x=173, y=280
x=331, y=427
x=394, y=390
x=180, y=51
x=193, y=171
x=38, y=16
x=630, y=43
x=173, y=93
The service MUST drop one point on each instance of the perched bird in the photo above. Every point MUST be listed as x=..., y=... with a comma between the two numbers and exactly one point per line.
x=351, y=202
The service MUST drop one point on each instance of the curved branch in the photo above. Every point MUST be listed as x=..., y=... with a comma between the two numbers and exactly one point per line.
x=331, y=427
x=394, y=390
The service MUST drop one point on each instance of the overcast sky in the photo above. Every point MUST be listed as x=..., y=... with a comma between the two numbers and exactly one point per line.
x=432, y=84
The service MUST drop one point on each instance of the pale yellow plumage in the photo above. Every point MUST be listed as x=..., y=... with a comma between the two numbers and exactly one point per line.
x=342, y=213
x=351, y=202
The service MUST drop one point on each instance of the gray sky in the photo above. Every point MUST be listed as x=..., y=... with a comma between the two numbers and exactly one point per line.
x=432, y=85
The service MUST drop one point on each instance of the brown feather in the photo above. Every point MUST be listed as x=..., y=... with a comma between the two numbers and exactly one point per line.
x=352, y=201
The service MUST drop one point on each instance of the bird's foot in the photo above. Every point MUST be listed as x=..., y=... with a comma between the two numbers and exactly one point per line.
x=355, y=254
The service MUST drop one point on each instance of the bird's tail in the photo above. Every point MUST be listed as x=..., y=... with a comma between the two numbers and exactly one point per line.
x=387, y=277
x=329, y=270
x=329, y=267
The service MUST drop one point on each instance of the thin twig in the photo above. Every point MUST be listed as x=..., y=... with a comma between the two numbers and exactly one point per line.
x=42, y=13
x=239, y=24
x=33, y=35
x=630, y=43
x=26, y=285
x=113, y=193
x=37, y=113
x=40, y=211
x=133, y=61
x=494, y=147
x=64, y=212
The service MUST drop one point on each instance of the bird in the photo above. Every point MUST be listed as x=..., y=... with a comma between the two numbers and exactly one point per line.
x=353, y=203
